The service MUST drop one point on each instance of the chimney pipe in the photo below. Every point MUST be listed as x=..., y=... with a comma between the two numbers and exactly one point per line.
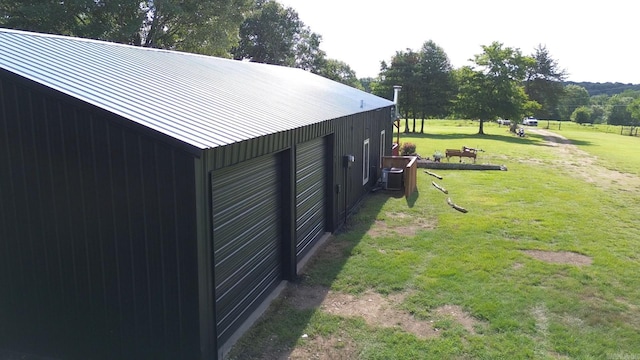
x=396, y=90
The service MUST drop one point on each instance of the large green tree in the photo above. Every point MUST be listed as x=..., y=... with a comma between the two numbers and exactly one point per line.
x=435, y=84
x=402, y=71
x=274, y=34
x=634, y=110
x=341, y=72
x=493, y=87
x=426, y=79
x=617, y=111
x=118, y=21
x=572, y=98
x=544, y=83
x=199, y=26
x=582, y=115
x=598, y=104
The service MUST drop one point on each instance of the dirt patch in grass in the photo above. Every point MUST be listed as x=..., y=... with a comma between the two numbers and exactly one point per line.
x=376, y=310
x=458, y=315
x=322, y=348
x=383, y=228
x=560, y=257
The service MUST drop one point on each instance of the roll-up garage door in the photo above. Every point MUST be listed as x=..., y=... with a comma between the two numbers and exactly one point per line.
x=246, y=239
x=310, y=194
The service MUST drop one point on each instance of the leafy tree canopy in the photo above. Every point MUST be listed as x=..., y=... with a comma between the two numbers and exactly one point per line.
x=607, y=88
x=435, y=81
x=617, y=111
x=582, y=115
x=573, y=97
x=402, y=71
x=634, y=109
x=544, y=83
x=199, y=26
x=426, y=79
x=493, y=88
x=274, y=34
x=340, y=72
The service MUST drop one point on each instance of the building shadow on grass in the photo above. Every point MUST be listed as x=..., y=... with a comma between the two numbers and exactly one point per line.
x=286, y=321
x=467, y=139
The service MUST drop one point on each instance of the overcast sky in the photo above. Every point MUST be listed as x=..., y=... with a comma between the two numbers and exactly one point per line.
x=594, y=41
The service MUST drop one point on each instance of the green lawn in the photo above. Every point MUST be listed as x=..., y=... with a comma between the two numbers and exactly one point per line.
x=418, y=256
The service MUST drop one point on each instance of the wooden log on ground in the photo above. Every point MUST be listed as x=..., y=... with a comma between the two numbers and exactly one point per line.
x=433, y=174
x=439, y=187
x=459, y=208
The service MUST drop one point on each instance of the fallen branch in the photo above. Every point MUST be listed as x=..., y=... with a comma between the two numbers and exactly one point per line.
x=459, y=208
x=433, y=174
x=439, y=187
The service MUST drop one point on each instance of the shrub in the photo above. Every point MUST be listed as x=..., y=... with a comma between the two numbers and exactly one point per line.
x=582, y=115
x=408, y=149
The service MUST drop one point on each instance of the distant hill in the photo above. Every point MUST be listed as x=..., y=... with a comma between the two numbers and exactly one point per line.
x=607, y=88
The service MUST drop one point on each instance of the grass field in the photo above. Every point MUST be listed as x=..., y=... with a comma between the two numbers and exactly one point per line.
x=545, y=265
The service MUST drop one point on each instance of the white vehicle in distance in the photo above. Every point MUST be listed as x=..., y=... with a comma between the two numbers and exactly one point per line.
x=504, y=122
x=530, y=121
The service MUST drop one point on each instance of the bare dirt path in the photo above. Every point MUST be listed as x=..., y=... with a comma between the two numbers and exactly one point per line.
x=585, y=166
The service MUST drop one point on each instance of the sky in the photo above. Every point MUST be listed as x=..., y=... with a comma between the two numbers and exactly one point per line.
x=594, y=41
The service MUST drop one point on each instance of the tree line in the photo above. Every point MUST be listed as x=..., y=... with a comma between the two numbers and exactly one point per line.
x=254, y=30
x=502, y=82
x=622, y=109
x=607, y=88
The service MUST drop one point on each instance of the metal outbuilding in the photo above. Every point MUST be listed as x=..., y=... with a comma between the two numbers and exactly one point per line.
x=152, y=202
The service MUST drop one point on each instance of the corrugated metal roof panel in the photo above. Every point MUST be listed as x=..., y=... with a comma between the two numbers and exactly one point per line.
x=204, y=101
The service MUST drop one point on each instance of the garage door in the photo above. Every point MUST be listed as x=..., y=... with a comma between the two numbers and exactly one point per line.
x=310, y=194
x=246, y=240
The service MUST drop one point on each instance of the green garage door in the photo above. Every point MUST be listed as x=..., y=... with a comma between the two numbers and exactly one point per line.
x=246, y=239
x=310, y=194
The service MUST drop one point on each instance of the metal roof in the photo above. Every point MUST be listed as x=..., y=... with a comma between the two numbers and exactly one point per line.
x=201, y=100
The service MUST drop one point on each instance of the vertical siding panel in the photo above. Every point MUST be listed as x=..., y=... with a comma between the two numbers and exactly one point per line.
x=79, y=173
x=135, y=242
x=47, y=235
x=144, y=150
x=114, y=198
x=159, y=180
x=176, y=240
x=186, y=236
x=26, y=217
x=105, y=256
x=7, y=275
x=5, y=266
x=68, y=239
x=167, y=203
x=54, y=152
x=34, y=191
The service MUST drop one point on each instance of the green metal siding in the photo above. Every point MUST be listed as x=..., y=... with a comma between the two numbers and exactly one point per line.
x=98, y=225
x=97, y=250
